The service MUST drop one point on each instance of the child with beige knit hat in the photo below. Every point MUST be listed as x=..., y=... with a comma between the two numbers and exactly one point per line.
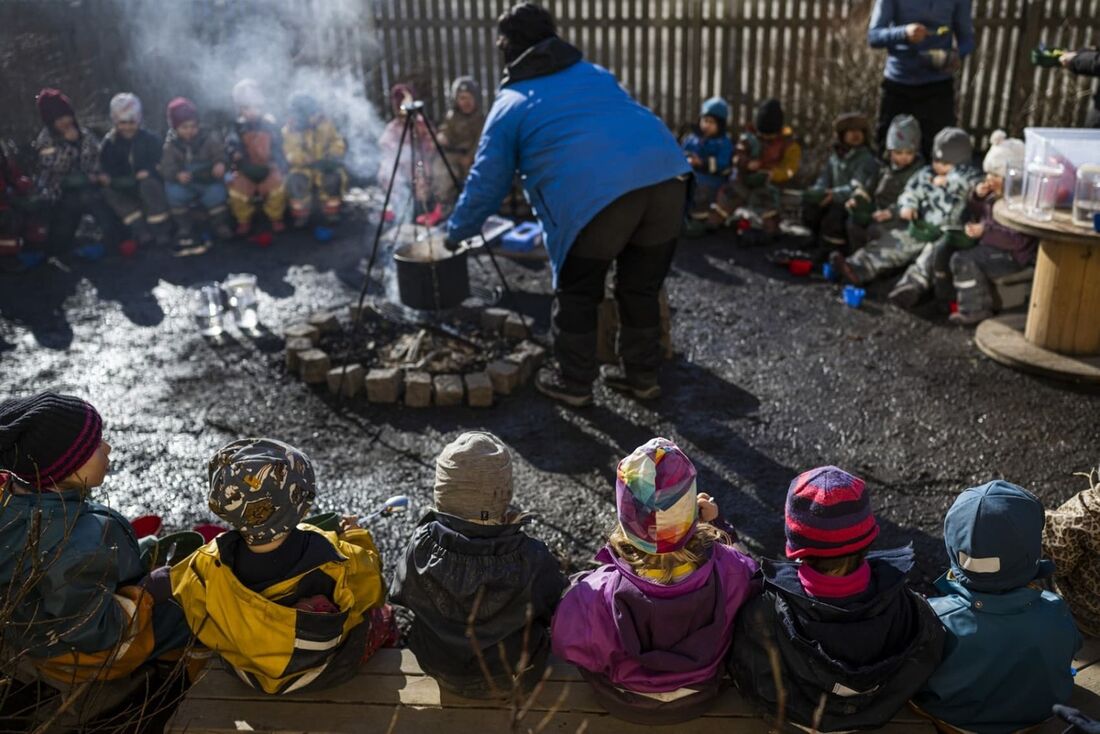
x=470, y=558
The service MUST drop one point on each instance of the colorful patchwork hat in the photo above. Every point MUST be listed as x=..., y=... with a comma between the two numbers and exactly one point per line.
x=656, y=498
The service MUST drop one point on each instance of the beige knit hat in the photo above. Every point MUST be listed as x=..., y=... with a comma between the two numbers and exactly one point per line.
x=473, y=477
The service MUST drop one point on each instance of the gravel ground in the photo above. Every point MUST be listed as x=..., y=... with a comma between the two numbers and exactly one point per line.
x=773, y=375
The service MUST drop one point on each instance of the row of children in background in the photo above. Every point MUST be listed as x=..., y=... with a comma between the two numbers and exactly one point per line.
x=673, y=605
x=136, y=187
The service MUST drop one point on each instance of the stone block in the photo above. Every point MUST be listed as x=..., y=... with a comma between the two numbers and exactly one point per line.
x=313, y=366
x=418, y=389
x=448, y=390
x=529, y=356
x=384, y=385
x=505, y=376
x=492, y=319
x=302, y=331
x=295, y=346
x=479, y=390
x=325, y=322
x=353, y=379
x=514, y=327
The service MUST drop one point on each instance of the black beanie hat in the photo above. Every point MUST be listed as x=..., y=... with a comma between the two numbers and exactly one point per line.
x=769, y=117
x=524, y=25
x=47, y=437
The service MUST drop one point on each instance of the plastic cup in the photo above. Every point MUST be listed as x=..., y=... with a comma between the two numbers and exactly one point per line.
x=1041, y=190
x=323, y=234
x=1014, y=187
x=209, y=308
x=241, y=292
x=324, y=520
x=146, y=525
x=800, y=267
x=853, y=296
x=174, y=547
x=1086, y=195
x=830, y=273
x=209, y=531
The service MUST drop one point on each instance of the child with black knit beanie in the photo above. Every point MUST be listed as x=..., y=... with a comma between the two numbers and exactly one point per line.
x=91, y=611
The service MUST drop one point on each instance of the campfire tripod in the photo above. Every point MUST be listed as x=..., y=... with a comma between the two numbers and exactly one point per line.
x=413, y=110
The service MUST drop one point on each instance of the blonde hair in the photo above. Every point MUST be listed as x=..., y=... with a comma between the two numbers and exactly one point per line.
x=661, y=566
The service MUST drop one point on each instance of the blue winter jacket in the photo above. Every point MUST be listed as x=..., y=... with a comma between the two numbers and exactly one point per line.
x=85, y=552
x=905, y=64
x=578, y=140
x=1006, y=659
x=716, y=154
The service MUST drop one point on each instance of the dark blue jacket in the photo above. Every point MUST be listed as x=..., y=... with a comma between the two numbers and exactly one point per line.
x=906, y=64
x=865, y=655
x=578, y=140
x=717, y=158
x=1006, y=661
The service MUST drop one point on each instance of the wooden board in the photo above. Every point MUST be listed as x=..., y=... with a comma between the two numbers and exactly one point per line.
x=1002, y=339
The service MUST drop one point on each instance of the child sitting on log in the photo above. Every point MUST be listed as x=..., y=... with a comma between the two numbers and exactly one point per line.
x=853, y=642
x=871, y=213
x=481, y=590
x=81, y=606
x=749, y=196
x=650, y=628
x=933, y=201
x=193, y=164
x=256, y=152
x=710, y=153
x=287, y=606
x=1010, y=643
x=314, y=150
x=128, y=160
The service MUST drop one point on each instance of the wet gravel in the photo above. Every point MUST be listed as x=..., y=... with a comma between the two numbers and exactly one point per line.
x=773, y=375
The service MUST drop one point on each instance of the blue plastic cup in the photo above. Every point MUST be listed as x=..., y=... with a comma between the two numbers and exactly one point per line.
x=829, y=272
x=1096, y=221
x=323, y=234
x=93, y=251
x=853, y=296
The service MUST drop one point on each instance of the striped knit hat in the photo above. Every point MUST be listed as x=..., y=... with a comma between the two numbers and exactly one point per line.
x=47, y=437
x=655, y=497
x=828, y=514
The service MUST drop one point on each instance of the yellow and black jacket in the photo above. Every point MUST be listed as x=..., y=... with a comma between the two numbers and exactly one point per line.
x=261, y=636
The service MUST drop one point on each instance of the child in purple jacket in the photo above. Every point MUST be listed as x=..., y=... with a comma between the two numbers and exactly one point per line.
x=649, y=628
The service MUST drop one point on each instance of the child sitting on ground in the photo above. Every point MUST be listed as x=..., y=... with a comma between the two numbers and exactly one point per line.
x=781, y=153
x=459, y=134
x=650, y=628
x=851, y=166
x=1010, y=644
x=749, y=195
x=287, y=606
x=871, y=214
x=314, y=150
x=999, y=251
x=67, y=176
x=852, y=640
x=934, y=199
x=193, y=163
x=128, y=159
x=710, y=153
x=83, y=606
x=1072, y=540
x=479, y=587
x=256, y=152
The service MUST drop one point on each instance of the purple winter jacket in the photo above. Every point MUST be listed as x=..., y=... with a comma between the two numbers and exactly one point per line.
x=1020, y=246
x=649, y=637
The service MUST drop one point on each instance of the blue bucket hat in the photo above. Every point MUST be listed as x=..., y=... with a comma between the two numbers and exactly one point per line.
x=994, y=537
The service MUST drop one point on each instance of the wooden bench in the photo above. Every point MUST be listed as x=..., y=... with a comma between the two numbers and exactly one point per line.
x=392, y=694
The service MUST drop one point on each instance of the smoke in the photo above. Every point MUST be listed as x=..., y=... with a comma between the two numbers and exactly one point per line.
x=201, y=48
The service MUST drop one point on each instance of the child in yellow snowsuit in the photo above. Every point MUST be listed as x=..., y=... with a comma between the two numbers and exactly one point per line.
x=257, y=156
x=314, y=149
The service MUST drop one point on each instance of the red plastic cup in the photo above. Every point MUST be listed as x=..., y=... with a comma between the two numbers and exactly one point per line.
x=146, y=525
x=800, y=267
x=263, y=239
x=209, y=531
x=953, y=307
x=127, y=248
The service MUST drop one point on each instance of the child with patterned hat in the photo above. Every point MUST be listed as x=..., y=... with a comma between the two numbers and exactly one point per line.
x=650, y=628
x=852, y=640
x=481, y=590
x=287, y=606
x=88, y=610
x=1010, y=642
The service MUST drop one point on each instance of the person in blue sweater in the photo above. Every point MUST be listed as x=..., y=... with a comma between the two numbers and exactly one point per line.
x=1010, y=643
x=926, y=41
x=608, y=183
x=710, y=152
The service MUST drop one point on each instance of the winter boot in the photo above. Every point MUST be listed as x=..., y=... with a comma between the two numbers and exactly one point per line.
x=641, y=386
x=551, y=383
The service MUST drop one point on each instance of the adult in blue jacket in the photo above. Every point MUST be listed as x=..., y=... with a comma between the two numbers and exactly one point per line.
x=926, y=41
x=608, y=183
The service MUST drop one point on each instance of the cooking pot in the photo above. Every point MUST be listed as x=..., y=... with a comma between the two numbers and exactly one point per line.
x=429, y=276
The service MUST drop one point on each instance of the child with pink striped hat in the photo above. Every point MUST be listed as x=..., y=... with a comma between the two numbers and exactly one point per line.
x=852, y=640
x=650, y=628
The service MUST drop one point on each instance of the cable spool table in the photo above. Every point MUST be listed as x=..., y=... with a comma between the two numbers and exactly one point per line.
x=1061, y=335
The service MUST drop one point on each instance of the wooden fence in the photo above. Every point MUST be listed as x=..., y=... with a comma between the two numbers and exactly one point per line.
x=671, y=54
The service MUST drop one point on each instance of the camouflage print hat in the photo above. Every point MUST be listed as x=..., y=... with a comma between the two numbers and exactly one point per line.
x=262, y=487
